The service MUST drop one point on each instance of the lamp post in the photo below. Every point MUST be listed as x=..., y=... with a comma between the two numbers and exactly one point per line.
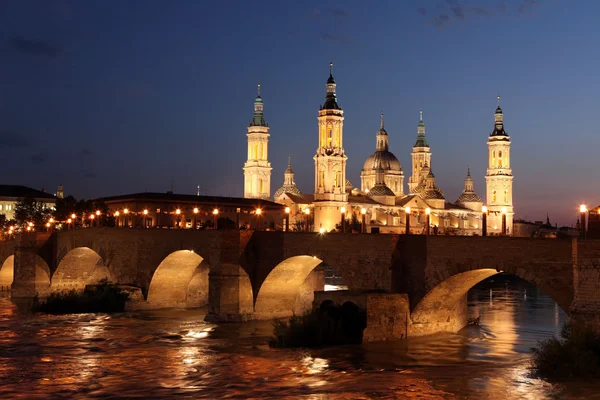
x=307, y=213
x=98, y=219
x=237, y=218
x=74, y=218
x=126, y=222
x=92, y=221
x=287, y=219
x=195, y=214
x=428, y=214
x=258, y=212
x=407, y=221
x=503, y=221
x=343, y=221
x=215, y=213
x=145, y=223
x=583, y=210
x=178, y=218
x=363, y=211
x=484, y=212
x=117, y=213
x=68, y=223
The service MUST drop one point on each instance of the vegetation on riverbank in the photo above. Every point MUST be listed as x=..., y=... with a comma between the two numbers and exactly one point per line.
x=327, y=325
x=104, y=297
x=574, y=355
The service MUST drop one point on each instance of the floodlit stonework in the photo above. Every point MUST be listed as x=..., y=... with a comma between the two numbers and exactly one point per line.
x=257, y=169
x=381, y=204
x=499, y=178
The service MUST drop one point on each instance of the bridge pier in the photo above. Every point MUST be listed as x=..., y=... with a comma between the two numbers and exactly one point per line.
x=229, y=295
x=31, y=274
x=585, y=307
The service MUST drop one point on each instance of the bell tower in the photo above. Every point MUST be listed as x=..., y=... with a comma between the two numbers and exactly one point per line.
x=421, y=156
x=257, y=169
x=499, y=178
x=330, y=161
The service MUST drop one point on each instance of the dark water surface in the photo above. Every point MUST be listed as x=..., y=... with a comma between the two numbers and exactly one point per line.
x=175, y=353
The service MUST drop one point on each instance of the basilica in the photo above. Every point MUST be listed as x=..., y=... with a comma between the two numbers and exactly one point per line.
x=381, y=204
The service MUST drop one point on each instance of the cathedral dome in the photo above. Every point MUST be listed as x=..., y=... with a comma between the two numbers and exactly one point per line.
x=434, y=193
x=469, y=197
x=381, y=190
x=382, y=159
x=293, y=190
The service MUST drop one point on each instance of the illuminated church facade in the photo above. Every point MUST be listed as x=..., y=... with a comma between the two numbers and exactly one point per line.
x=381, y=201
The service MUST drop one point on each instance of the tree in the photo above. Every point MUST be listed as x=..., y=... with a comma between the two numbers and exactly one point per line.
x=28, y=210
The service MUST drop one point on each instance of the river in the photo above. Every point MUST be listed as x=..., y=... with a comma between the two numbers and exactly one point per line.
x=175, y=353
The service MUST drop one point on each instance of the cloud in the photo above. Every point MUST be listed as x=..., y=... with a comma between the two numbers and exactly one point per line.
x=13, y=140
x=40, y=48
x=330, y=37
x=458, y=12
x=451, y=11
x=527, y=6
x=86, y=152
x=89, y=175
x=339, y=12
x=39, y=158
x=440, y=20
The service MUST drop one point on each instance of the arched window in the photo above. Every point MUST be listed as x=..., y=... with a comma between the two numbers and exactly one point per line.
x=321, y=178
x=505, y=196
x=494, y=197
x=261, y=186
x=493, y=158
x=255, y=151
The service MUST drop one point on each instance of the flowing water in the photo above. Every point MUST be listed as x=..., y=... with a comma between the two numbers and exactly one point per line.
x=174, y=353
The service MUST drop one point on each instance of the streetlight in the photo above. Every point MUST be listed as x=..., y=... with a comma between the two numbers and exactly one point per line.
x=215, y=213
x=287, y=219
x=428, y=214
x=321, y=230
x=343, y=212
x=178, y=213
x=195, y=214
x=98, y=215
x=92, y=221
x=51, y=220
x=583, y=210
x=503, y=221
x=145, y=224
x=48, y=226
x=126, y=220
x=484, y=213
x=69, y=223
x=363, y=211
x=407, y=211
x=258, y=213
x=307, y=213
x=74, y=218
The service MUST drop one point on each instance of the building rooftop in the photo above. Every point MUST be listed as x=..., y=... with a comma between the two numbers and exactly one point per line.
x=19, y=192
x=189, y=198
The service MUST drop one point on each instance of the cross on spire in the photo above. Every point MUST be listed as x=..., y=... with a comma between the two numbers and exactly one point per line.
x=330, y=68
x=498, y=99
x=259, y=88
x=381, y=119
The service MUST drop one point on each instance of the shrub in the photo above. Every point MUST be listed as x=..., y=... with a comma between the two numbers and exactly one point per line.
x=324, y=326
x=576, y=354
x=103, y=297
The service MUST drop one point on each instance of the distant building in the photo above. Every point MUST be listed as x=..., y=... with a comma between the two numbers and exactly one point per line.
x=522, y=228
x=11, y=194
x=169, y=210
x=593, y=224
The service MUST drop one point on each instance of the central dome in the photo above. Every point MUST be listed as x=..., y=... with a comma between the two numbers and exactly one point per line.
x=383, y=159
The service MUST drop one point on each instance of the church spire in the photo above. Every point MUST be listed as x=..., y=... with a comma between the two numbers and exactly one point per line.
x=421, y=140
x=498, y=122
x=330, y=96
x=382, y=138
x=259, y=117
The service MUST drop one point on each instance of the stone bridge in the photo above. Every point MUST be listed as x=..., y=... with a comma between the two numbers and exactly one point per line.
x=244, y=275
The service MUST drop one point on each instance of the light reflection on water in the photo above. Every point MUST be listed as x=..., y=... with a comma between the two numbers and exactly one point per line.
x=176, y=353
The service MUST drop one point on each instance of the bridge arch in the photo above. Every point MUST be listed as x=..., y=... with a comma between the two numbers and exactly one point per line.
x=7, y=272
x=41, y=279
x=79, y=267
x=181, y=280
x=289, y=287
x=444, y=306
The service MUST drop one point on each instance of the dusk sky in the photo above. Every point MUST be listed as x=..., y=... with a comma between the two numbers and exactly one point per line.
x=115, y=97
